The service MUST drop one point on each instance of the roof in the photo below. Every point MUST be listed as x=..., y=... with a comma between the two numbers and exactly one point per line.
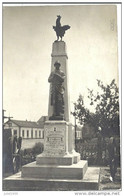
x=43, y=119
x=26, y=123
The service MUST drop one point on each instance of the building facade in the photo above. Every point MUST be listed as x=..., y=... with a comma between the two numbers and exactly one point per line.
x=26, y=129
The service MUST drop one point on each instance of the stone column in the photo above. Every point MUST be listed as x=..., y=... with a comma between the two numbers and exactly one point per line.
x=59, y=54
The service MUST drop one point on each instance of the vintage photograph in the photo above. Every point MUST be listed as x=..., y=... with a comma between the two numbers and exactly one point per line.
x=61, y=109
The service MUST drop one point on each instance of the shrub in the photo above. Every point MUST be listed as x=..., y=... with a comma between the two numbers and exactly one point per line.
x=37, y=149
x=29, y=155
x=95, y=153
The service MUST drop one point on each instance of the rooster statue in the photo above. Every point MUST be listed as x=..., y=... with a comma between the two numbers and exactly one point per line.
x=60, y=30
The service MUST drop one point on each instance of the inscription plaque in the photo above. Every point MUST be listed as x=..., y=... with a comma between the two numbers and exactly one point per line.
x=54, y=141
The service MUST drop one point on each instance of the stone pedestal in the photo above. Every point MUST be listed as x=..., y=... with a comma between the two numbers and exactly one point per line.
x=74, y=171
x=55, y=138
x=58, y=144
x=58, y=138
x=59, y=160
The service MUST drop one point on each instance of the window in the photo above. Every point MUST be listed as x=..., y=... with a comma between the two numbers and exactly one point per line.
x=78, y=134
x=15, y=132
x=35, y=134
x=32, y=133
x=23, y=133
x=39, y=134
x=27, y=133
x=42, y=134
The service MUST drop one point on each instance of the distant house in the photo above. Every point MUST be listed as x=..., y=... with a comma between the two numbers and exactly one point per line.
x=27, y=129
x=78, y=132
x=85, y=132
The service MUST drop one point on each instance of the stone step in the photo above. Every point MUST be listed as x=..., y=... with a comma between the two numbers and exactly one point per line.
x=64, y=160
x=17, y=183
x=74, y=171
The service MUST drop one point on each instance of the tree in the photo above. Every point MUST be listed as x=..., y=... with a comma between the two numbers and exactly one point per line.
x=106, y=109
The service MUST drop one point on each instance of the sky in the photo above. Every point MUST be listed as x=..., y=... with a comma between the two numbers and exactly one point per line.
x=92, y=49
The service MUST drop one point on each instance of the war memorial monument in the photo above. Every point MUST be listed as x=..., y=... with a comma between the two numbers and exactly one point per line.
x=59, y=166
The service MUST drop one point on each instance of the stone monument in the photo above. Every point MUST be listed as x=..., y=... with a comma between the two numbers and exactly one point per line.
x=59, y=165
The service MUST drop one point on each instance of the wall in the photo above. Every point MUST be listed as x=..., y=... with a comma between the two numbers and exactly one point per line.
x=32, y=132
x=32, y=135
x=29, y=143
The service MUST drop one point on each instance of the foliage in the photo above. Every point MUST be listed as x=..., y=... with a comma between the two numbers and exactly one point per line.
x=29, y=155
x=106, y=109
x=89, y=150
x=38, y=148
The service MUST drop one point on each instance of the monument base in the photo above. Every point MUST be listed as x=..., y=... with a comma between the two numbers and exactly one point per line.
x=90, y=181
x=58, y=168
x=68, y=159
x=74, y=171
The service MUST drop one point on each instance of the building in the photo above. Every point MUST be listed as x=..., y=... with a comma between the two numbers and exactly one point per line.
x=26, y=129
x=78, y=132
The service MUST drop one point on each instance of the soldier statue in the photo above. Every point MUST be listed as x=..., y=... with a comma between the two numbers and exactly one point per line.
x=56, y=79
